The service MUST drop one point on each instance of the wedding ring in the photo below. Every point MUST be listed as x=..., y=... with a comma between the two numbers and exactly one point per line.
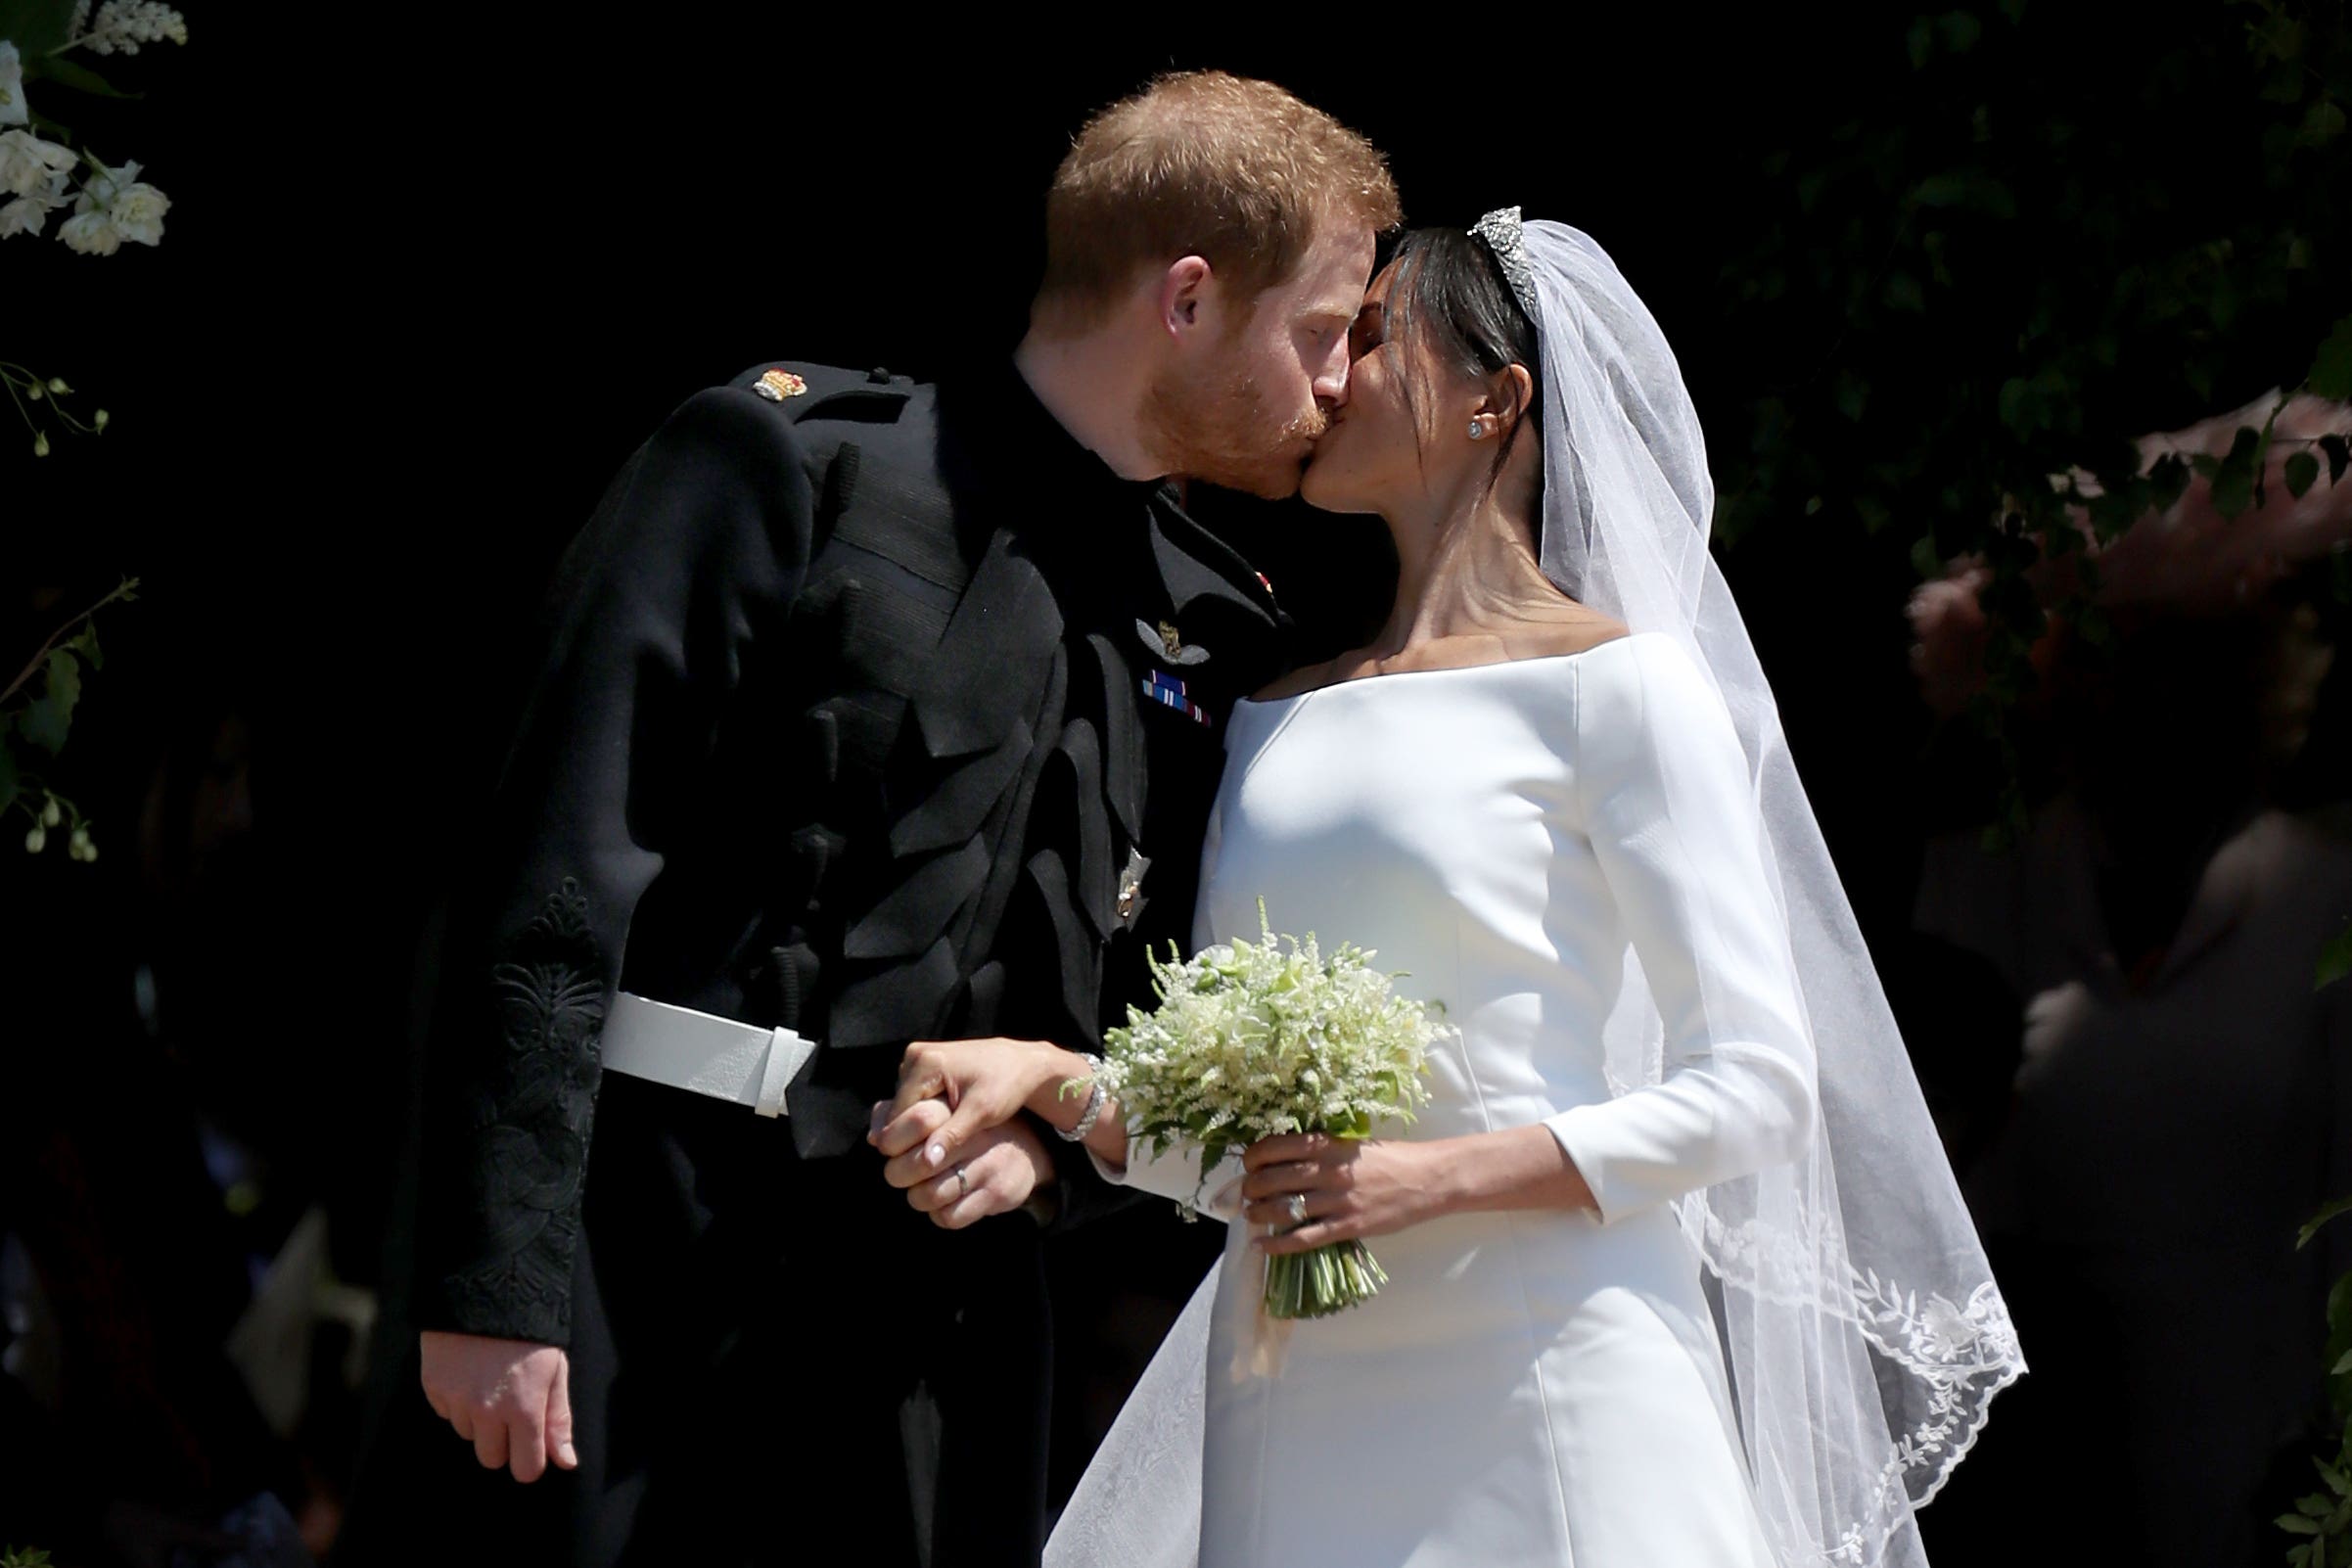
x=1295, y=1206
x=963, y=1183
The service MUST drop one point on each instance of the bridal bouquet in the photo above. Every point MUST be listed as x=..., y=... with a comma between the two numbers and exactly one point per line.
x=1254, y=1039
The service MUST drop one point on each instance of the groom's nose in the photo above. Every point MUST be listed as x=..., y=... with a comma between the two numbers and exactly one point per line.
x=1331, y=378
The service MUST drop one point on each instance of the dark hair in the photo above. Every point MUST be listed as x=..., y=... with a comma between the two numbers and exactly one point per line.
x=1448, y=295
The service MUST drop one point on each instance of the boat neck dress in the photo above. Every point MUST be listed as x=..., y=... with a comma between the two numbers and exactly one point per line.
x=1535, y=1387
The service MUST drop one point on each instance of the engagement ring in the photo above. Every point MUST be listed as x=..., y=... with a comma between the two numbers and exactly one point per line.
x=1295, y=1206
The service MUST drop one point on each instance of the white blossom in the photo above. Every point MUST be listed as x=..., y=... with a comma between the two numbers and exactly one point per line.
x=29, y=165
x=91, y=234
x=122, y=25
x=130, y=211
x=27, y=214
x=12, y=85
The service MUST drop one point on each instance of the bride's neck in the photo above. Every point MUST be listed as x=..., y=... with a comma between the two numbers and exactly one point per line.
x=1461, y=569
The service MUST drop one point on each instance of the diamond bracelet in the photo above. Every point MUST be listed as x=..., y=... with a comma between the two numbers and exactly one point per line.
x=1094, y=1098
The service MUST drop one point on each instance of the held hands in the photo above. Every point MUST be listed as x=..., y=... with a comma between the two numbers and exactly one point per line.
x=1352, y=1188
x=954, y=1135
x=510, y=1399
x=994, y=1170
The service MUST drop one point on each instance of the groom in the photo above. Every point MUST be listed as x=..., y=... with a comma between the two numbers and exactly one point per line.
x=872, y=712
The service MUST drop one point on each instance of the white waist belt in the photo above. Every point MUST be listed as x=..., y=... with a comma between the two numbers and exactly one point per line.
x=700, y=1051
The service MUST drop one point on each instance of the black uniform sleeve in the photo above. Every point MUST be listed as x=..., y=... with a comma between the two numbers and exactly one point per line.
x=691, y=562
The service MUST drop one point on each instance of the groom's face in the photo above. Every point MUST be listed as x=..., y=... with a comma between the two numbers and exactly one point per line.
x=1246, y=411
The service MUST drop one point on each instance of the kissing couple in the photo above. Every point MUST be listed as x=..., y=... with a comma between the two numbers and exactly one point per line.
x=883, y=728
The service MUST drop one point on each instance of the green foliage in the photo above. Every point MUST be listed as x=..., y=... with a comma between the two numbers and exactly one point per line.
x=2039, y=232
x=36, y=713
x=2332, y=372
x=25, y=1557
x=41, y=30
x=2335, y=961
x=37, y=26
x=2322, y=1522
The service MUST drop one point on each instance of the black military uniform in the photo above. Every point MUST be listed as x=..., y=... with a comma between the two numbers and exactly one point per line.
x=865, y=703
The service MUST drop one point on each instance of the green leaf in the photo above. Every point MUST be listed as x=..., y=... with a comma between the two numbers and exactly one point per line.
x=2336, y=960
x=2322, y=122
x=1976, y=192
x=78, y=76
x=1959, y=31
x=2234, y=477
x=2294, y=1524
x=45, y=720
x=2332, y=370
x=2302, y=472
x=2337, y=1481
x=1854, y=395
x=85, y=643
x=36, y=26
x=2339, y=1323
x=2313, y=1225
x=2167, y=479
x=2017, y=406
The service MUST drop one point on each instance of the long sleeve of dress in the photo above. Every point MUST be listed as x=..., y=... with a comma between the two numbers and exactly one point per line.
x=694, y=557
x=1674, y=822
x=1175, y=1174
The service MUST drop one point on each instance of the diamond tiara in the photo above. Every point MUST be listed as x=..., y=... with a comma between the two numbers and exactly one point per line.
x=1503, y=236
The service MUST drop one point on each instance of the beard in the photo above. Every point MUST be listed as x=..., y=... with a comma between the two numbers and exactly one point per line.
x=1216, y=428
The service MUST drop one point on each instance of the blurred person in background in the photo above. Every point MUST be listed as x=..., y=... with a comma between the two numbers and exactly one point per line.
x=2181, y=1098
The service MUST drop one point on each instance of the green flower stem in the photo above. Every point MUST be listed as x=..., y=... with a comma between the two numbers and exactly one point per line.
x=124, y=589
x=1316, y=1284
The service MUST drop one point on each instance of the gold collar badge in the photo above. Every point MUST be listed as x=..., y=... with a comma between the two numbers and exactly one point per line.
x=777, y=385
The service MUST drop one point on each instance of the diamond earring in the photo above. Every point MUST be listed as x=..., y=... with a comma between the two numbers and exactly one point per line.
x=1478, y=430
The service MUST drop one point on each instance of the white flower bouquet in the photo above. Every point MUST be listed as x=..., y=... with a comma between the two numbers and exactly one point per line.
x=1255, y=1040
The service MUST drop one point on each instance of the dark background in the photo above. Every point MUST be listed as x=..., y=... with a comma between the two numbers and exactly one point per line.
x=427, y=278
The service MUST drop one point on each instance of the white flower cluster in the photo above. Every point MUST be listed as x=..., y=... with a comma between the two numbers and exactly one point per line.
x=111, y=206
x=36, y=176
x=122, y=25
x=1256, y=1038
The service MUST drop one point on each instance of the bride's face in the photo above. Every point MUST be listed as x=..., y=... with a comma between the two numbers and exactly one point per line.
x=1377, y=455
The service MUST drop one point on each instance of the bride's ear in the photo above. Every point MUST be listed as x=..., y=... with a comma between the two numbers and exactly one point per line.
x=1510, y=392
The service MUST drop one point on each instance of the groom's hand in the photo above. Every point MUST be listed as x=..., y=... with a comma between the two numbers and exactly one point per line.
x=996, y=1171
x=511, y=1399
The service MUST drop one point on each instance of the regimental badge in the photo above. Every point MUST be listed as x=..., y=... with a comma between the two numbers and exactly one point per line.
x=1165, y=643
x=777, y=385
x=1130, y=887
x=1168, y=691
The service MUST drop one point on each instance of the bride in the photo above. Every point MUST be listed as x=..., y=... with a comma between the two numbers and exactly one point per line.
x=1676, y=1271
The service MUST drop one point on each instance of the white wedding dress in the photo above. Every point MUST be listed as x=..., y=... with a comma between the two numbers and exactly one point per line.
x=1537, y=1387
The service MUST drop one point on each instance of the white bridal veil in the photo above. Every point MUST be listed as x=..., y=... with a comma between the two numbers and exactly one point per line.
x=1862, y=1329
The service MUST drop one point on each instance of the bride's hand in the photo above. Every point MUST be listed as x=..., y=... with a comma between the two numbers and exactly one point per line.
x=984, y=1083
x=1353, y=1188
